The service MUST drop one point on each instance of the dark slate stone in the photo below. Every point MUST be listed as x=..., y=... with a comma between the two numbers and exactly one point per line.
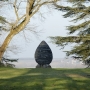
x=43, y=54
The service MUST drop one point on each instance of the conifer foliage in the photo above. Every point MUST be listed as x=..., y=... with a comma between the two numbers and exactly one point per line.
x=79, y=11
x=2, y=19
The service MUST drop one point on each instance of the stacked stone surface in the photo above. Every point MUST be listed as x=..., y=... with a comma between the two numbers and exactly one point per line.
x=43, y=54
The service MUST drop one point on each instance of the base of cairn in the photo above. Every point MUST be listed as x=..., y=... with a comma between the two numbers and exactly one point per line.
x=43, y=66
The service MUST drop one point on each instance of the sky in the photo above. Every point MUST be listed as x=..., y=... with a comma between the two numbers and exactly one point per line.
x=51, y=23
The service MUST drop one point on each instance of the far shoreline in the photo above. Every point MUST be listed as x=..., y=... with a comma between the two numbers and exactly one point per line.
x=56, y=63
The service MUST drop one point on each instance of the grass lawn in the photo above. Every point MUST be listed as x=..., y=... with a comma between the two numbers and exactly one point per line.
x=44, y=79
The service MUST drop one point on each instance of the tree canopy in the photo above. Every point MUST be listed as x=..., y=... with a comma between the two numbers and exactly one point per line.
x=79, y=11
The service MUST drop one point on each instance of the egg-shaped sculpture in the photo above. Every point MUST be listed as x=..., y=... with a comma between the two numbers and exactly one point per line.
x=43, y=54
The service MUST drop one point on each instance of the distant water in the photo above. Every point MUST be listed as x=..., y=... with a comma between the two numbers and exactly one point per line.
x=56, y=63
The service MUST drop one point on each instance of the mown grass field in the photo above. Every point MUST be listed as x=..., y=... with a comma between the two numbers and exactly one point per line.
x=44, y=79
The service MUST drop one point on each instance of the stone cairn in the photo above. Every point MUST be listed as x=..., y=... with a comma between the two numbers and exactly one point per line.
x=43, y=55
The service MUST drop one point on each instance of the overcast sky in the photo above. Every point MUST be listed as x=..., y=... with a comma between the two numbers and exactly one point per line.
x=53, y=24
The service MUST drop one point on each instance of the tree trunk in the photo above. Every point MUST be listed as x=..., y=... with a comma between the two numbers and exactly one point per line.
x=18, y=28
x=5, y=44
x=12, y=33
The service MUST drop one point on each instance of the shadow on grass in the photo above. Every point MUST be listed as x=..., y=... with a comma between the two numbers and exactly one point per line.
x=47, y=79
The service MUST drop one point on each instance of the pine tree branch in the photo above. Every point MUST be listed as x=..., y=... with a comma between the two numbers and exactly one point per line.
x=74, y=28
